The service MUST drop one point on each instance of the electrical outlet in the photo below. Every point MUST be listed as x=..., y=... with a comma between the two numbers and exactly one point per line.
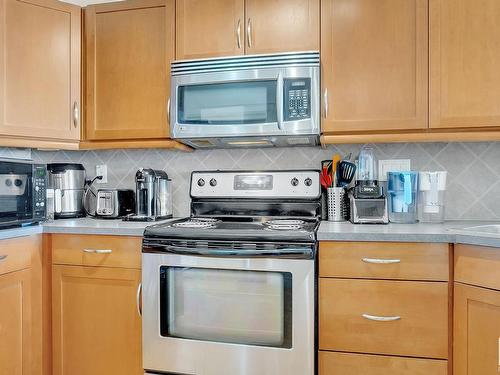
x=102, y=170
x=396, y=165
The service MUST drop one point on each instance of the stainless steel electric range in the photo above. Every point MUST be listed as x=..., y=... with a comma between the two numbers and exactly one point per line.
x=231, y=289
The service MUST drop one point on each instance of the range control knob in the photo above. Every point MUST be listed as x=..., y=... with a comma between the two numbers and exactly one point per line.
x=18, y=182
x=213, y=182
x=8, y=182
x=308, y=181
x=201, y=182
x=295, y=181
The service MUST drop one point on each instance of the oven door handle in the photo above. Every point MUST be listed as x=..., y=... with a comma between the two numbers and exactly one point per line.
x=291, y=253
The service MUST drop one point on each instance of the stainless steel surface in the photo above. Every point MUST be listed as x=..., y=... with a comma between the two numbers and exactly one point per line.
x=68, y=180
x=68, y=202
x=280, y=186
x=76, y=114
x=249, y=33
x=153, y=195
x=381, y=261
x=138, y=299
x=249, y=69
x=381, y=318
x=325, y=103
x=189, y=356
x=238, y=33
x=98, y=251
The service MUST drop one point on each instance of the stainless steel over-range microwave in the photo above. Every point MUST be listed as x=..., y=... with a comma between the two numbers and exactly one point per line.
x=244, y=101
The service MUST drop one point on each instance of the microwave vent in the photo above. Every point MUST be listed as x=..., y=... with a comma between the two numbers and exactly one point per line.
x=298, y=141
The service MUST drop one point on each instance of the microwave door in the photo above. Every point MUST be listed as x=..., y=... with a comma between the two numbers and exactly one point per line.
x=246, y=103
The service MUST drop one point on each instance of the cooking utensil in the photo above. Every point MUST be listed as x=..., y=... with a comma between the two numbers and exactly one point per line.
x=346, y=171
x=335, y=161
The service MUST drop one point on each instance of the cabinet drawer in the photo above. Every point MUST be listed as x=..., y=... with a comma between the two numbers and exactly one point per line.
x=106, y=251
x=477, y=265
x=384, y=260
x=404, y=318
x=331, y=363
x=16, y=253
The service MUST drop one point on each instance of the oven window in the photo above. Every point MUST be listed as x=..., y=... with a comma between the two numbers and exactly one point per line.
x=228, y=103
x=230, y=306
x=16, y=200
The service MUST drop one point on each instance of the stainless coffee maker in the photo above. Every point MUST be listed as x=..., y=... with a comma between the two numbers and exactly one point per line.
x=66, y=181
x=153, y=195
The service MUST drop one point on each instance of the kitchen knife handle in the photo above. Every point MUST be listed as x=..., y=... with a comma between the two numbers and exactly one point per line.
x=381, y=318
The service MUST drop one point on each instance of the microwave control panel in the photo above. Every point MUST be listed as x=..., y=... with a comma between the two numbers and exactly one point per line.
x=297, y=95
x=39, y=190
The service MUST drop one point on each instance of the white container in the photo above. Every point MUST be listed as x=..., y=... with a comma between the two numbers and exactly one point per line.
x=432, y=188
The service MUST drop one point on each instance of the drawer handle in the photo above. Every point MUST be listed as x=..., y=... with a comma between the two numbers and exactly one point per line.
x=381, y=261
x=381, y=318
x=3, y=257
x=103, y=251
x=138, y=299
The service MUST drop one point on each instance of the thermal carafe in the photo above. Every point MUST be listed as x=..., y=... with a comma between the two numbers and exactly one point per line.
x=432, y=187
x=402, y=188
x=67, y=180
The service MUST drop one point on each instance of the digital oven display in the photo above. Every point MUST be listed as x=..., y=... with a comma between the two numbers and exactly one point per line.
x=253, y=182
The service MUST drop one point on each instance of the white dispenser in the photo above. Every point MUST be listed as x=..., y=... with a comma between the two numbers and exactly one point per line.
x=432, y=187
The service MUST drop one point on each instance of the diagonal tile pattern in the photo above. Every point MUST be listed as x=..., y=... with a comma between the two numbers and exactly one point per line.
x=473, y=183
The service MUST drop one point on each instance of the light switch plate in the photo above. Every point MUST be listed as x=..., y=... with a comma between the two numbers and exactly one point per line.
x=394, y=165
x=102, y=170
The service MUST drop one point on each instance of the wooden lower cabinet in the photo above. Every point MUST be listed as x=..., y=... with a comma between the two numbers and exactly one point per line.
x=96, y=324
x=331, y=363
x=476, y=331
x=15, y=323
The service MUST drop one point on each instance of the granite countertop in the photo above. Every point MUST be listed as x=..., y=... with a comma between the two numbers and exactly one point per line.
x=449, y=232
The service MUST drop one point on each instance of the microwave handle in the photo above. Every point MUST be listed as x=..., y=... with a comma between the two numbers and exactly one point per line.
x=279, y=99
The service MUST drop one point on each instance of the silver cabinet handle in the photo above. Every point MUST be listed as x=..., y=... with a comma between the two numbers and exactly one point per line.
x=100, y=251
x=325, y=99
x=168, y=111
x=3, y=257
x=381, y=318
x=238, y=33
x=381, y=261
x=76, y=114
x=249, y=33
x=138, y=299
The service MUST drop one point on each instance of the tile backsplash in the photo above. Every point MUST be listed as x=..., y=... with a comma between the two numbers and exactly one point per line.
x=473, y=179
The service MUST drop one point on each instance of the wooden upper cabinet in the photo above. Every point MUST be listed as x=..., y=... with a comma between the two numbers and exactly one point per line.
x=476, y=331
x=374, y=65
x=129, y=47
x=274, y=26
x=15, y=323
x=465, y=63
x=209, y=28
x=40, y=69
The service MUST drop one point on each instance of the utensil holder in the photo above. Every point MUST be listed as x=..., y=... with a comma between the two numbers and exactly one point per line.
x=336, y=204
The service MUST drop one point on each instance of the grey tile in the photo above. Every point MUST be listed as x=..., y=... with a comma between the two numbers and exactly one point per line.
x=478, y=176
x=492, y=157
x=492, y=199
x=455, y=157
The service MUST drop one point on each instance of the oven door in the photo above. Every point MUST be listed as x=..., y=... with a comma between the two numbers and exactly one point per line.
x=225, y=316
x=244, y=103
x=16, y=192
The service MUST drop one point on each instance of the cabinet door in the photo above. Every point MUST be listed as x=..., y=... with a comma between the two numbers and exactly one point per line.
x=476, y=331
x=209, y=28
x=282, y=26
x=15, y=323
x=374, y=65
x=96, y=325
x=130, y=46
x=464, y=62
x=39, y=69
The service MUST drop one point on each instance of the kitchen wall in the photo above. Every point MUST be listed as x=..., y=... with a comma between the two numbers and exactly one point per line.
x=474, y=168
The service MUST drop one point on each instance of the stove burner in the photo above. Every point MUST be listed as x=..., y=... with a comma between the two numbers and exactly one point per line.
x=195, y=224
x=204, y=220
x=285, y=227
x=285, y=222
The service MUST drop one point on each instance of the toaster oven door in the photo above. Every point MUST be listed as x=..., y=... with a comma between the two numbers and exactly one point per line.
x=16, y=193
